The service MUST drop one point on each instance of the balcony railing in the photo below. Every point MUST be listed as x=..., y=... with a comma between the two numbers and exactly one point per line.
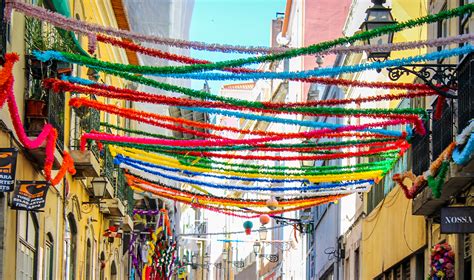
x=420, y=155
x=123, y=191
x=465, y=91
x=87, y=120
x=41, y=105
x=108, y=166
x=442, y=130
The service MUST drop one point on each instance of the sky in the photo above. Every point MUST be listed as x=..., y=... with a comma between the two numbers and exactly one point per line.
x=236, y=22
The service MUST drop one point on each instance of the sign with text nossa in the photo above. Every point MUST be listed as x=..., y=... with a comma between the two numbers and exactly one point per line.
x=457, y=220
x=8, y=158
x=30, y=195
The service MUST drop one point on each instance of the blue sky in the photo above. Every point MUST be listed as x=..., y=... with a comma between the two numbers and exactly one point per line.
x=236, y=22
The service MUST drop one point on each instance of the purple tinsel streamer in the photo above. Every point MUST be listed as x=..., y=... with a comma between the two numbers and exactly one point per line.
x=88, y=29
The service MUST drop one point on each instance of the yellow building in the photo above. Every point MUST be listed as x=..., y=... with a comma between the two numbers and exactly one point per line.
x=66, y=239
x=391, y=237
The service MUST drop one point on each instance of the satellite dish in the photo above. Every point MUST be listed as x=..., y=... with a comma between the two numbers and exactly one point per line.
x=283, y=41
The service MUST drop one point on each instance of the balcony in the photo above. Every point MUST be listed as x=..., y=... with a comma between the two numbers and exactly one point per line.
x=459, y=177
x=86, y=162
x=41, y=106
x=424, y=204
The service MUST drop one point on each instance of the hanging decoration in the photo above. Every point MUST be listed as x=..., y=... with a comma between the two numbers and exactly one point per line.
x=264, y=219
x=48, y=134
x=82, y=27
x=174, y=71
x=442, y=262
x=461, y=156
x=248, y=227
x=272, y=203
x=439, y=167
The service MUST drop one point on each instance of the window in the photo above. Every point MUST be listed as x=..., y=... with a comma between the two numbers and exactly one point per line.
x=357, y=264
x=27, y=230
x=49, y=257
x=70, y=248
x=102, y=266
x=467, y=256
x=88, y=267
x=113, y=271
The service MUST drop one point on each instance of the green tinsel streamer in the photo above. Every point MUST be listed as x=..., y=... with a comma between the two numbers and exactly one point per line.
x=436, y=184
x=363, y=36
x=257, y=104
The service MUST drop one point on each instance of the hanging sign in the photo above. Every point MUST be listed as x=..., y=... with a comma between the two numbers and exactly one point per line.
x=8, y=158
x=30, y=195
x=457, y=220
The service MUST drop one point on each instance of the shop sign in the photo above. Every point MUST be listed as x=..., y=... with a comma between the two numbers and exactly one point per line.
x=30, y=195
x=8, y=158
x=457, y=220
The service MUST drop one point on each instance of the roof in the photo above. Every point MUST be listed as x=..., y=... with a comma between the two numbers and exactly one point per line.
x=122, y=23
x=239, y=86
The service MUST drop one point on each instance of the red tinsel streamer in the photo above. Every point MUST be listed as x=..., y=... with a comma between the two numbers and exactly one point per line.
x=48, y=134
x=161, y=54
x=189, y=60
x=401, y=143
x=138, y=96
x=148, y=187
x=144, y=97
x=144, y=116
x=409, y=192
x=225, y=142
x=148, y=118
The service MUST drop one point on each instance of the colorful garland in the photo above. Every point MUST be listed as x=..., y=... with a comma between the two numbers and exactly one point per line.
x=440, y=167
x=459, y=39
x=462, y=157
x=175, y=71
x=225, y=142
x=48, y=134
x=87, y=28
x=309, y=176
x=442, y=262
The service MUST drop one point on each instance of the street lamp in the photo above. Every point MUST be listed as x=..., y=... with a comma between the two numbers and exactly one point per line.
x=378, y=16
x=256, y=247
x=263, y=233
x=99, y=185
x=439, y=77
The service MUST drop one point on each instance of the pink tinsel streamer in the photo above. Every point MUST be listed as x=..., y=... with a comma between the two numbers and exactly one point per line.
x=48, y=134
x=227, y=142
x=87, y=28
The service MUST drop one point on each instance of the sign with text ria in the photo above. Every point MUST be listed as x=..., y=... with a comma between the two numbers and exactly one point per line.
x=7, y=169
x=457, y=220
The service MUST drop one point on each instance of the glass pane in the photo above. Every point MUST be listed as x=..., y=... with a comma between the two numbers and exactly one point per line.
x=22, y=224
x=31, y=236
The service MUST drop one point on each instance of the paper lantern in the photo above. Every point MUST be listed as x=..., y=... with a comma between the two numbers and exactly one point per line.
x=272, y=203
x=264, y=219
x=248, y=227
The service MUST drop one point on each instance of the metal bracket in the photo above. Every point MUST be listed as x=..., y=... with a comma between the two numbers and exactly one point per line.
x=442, y=78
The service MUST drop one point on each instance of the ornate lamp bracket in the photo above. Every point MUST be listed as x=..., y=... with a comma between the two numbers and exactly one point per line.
x=441, y=78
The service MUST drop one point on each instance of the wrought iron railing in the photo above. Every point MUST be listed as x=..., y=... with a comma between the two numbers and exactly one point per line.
x=123, y=191
x=442, y=130
x=56, y=106
x=41, y=105
x=465, y=91
x=87, y=120
x=420, y=152
x=108, y=167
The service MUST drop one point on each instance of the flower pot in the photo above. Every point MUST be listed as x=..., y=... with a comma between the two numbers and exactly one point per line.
x=35, y=108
